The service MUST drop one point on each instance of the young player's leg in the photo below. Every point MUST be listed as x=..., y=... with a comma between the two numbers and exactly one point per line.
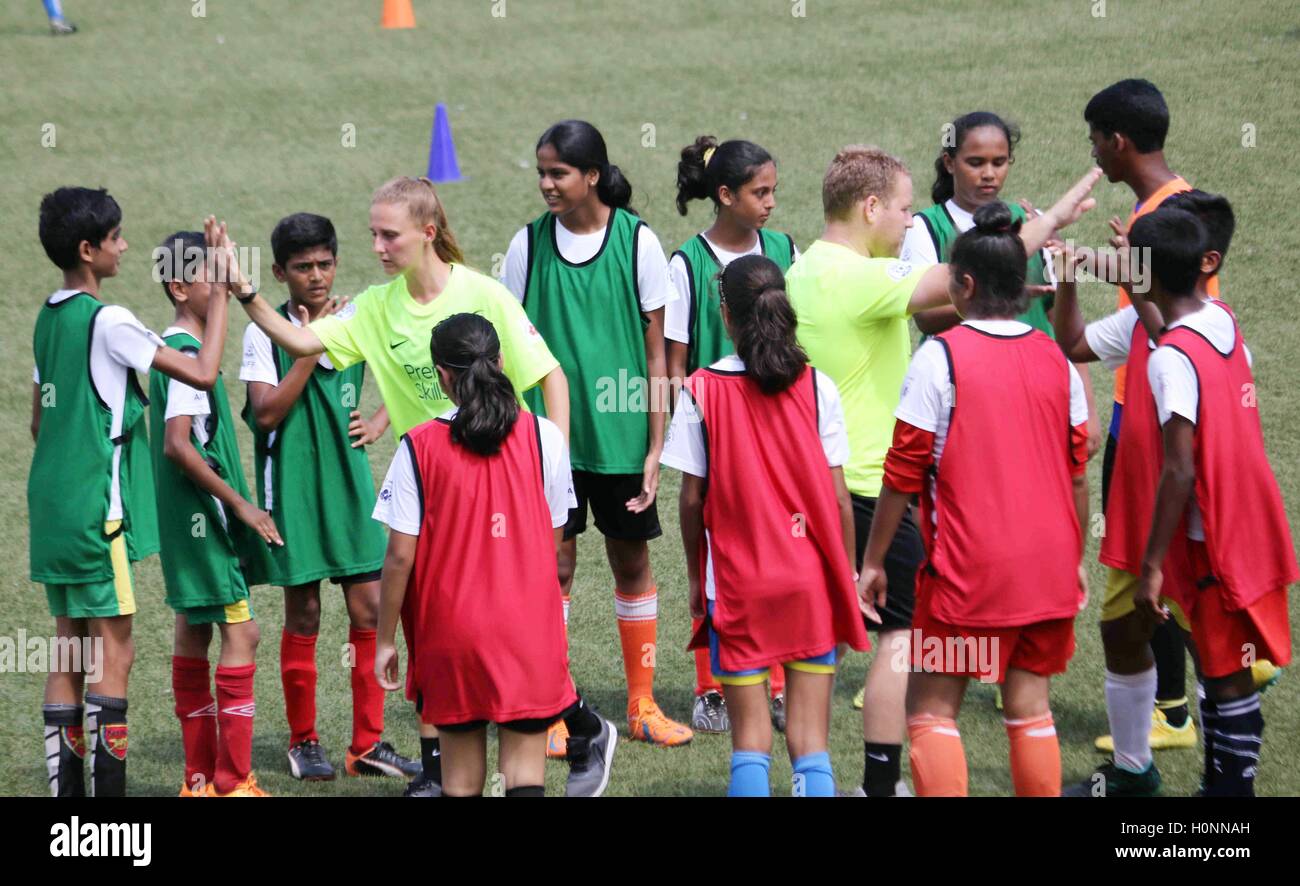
x=464, y=759
x=566, y=557
x=522, y=758
x=809, y=685
x=1130, y=674
x=298, y=674
x=369, y=754
x=195, y=707
x=1034, y=748
x=236, y=667
x=1171, y=679
x=106, y=725
x=751, y=733
x=937, y=756
x=63, y=712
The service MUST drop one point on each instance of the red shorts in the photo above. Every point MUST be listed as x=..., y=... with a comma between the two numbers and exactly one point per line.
x=985, y=654
x=1229, y=641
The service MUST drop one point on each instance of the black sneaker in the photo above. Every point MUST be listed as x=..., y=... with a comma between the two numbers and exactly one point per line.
x=423, y=786
x=778, y=712
x=1111, y=781
x=589, y=761
x=307, y=762
x=381, y=759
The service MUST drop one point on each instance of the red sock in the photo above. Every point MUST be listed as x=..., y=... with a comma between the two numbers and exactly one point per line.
x=704, y=681
x=1035, y=757
x=938, y=760
x=298, y=676
x=235, y=710
x=367, y=696
x=777, y=680
x=198, y=715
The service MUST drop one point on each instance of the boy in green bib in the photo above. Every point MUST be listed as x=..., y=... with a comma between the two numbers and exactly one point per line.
x=740, y=178
x=90, y=493
x=315, y=481
x=213, y=537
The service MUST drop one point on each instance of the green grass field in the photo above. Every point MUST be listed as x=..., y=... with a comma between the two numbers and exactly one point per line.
x=243, y=113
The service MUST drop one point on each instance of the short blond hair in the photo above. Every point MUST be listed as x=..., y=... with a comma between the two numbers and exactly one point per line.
x=856, y=173
x=420, y=198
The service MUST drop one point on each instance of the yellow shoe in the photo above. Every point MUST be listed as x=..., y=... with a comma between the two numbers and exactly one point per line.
x=246, y=788
x=1163, y=736
x=860, y=699
x=557, y=740
x=1265, y=673
x=646, y=722
x=206, y=791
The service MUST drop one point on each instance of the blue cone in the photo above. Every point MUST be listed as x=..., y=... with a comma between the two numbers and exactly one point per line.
x=442, y=150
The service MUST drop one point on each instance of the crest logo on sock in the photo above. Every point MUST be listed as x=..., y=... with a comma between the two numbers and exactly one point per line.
x=113, y=738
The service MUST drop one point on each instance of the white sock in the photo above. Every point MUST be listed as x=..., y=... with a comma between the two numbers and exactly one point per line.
x=1130, y=699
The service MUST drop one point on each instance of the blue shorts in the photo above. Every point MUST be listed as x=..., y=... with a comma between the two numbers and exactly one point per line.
x=818, y=664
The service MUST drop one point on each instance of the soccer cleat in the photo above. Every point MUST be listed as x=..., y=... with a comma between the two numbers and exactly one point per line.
x=307, y=762
x=246, y=788
x=1111, y=781
x=710, y=713
x=207, y=791
x=589, y=762
x=381, y=759
x=860, y=699
x=648, y=723
x=62, y=28
x=1163, y=736
x=423, y=786
x=557, y=740
x=778, y=712
x=1265, y=674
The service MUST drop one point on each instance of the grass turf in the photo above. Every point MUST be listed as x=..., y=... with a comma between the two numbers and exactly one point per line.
x=245, y=111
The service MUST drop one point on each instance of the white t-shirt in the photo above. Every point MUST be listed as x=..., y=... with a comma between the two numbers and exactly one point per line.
x=685, y=450
x=1175, y=386
x=677, y=313
x=651, y=265
x=399, y=506
x=918, y=247
x=119, y=344
x=928, y=393
x=185, y=400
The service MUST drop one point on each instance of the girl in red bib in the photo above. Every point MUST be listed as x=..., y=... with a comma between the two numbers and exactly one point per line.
x=768, y=529
x=992, y=436
x=472, y=498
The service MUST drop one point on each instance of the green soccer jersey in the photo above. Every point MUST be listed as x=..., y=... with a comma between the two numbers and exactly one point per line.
x=590, y=316
x=69, y=488
x=316, y=486
x=943, y=232
x=709, y=340
x=204, y=548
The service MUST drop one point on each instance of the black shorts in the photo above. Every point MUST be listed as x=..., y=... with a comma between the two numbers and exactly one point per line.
x=609, y=495
x=906, y=554
x=359, y=579
x=527, y=727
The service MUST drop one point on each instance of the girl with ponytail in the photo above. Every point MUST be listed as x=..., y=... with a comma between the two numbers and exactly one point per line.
x=1003, y=498
x=484, y=633
x=767, y=525
x=388, y=327
x=739, y=178
x=593, y=280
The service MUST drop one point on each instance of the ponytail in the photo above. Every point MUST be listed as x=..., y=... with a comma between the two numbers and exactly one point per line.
x=467, y=346
x=422, y=203
x=581, y=146
x=954, y=134
x=762, y=322
x=706, y=166
x=992, y=254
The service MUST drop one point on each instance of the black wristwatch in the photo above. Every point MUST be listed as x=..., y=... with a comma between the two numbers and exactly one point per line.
x=245, y=299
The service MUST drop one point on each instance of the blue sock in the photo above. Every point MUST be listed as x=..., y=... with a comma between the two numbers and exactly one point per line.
x=54, y=10
x=749, y=774
x=813, y=776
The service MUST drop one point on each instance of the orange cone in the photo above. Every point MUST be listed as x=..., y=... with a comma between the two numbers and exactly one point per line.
x=397, y=14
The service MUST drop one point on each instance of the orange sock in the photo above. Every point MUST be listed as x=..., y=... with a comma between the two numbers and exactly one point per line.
x=938, y=760
x=776, y=680
x=704, y=681
x=564, y=599
x=636, y=633
x=1035, y=757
